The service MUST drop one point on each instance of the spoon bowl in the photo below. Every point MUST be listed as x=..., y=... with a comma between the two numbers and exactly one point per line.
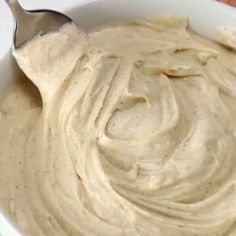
x=29, y=24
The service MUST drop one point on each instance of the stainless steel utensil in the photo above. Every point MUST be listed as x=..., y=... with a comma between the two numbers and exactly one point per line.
x=28, y=24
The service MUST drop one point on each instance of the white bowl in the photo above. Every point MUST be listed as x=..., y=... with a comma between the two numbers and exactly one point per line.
x=204, y=18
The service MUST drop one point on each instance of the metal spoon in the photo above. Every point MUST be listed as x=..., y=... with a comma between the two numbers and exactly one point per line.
x=28, y=24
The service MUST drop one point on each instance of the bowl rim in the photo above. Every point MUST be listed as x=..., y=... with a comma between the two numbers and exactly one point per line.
x=73, y=8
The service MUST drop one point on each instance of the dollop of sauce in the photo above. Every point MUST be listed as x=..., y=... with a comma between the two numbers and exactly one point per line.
x=135, y=133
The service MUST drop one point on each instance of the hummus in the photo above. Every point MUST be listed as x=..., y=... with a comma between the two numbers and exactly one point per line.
x=130, y=130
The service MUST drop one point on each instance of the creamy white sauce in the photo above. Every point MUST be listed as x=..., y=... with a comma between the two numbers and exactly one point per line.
x=135, y=134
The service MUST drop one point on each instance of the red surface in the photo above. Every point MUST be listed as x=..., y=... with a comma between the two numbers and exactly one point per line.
x=230, y=2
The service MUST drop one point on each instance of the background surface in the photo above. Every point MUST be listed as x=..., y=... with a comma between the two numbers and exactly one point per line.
x=6, y=20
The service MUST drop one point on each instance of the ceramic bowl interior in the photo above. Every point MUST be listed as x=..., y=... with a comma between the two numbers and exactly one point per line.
x=204, y=17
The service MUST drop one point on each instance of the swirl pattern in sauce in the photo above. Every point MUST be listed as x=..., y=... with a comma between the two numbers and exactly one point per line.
x=135, y=134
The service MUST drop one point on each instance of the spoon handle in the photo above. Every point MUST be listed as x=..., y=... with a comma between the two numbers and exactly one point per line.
x=17, y=10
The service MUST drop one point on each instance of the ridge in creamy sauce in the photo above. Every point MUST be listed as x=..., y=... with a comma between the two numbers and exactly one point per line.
x=135, y=134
